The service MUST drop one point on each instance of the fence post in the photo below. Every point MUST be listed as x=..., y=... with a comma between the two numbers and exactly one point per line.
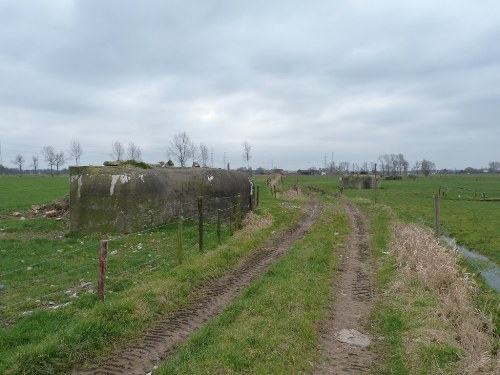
x=103, y=255
x=238, y=213
x=230, y=221
x=218, y=226
x=436, y=215
x=180, y=247
x=258, y=196
x=274, y=189
x=200, y=223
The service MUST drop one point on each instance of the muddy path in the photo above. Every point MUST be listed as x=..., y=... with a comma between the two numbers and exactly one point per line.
x=160, y=340
x=345, y=345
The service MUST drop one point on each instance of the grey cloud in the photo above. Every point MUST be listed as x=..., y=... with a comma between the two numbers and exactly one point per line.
x=296, y=79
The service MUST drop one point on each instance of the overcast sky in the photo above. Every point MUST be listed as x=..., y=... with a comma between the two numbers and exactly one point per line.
x=298, y=80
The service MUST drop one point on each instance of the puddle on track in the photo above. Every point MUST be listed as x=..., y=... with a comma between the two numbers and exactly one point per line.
x=490, y=271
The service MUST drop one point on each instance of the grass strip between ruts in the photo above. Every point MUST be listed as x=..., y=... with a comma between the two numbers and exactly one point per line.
x=272, y=327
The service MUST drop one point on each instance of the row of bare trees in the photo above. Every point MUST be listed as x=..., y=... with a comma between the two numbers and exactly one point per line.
x=388, y=164
x=396, y=164
x=133, y=151
x=52, y=158
x=182, y=149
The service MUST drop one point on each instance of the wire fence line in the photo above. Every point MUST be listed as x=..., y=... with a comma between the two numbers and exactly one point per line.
x=160, y=251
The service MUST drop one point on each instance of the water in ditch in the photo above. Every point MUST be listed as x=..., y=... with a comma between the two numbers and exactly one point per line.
x=489, y=271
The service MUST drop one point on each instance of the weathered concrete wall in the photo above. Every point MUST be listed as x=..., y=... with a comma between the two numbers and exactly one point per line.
x=359, y=181
x=127, y=199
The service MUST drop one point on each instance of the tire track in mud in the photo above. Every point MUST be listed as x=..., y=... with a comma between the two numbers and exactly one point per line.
x=344, y=348
x=160, y=340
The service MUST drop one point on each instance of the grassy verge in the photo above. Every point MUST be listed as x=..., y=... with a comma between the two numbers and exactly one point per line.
x=41, y=334
x=272, y=327
x=429, y=312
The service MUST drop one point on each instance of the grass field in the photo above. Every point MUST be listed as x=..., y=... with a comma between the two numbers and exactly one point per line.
x=19, y=193
x=49, y=312
x=471, y=220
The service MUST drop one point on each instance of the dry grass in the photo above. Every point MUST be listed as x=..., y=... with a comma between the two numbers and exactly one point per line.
x=276, y=180
x=292, y=194
x=419, y=253
x=255, y=221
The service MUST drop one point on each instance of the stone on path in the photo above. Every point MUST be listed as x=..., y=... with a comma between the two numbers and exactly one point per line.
x=353, y=337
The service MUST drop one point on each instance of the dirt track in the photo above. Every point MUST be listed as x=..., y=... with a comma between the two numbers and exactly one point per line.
x=345, y=346
x=156, y=344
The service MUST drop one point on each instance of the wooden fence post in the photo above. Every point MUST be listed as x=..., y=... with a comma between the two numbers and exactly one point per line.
x=218, y=226
x=200, y=223
x=258, y=196
x=254, y=196
x=101, y=282
x=238, y=212
x=230, y=221
x=274, y=189
x=180, y=247
x=436, y=215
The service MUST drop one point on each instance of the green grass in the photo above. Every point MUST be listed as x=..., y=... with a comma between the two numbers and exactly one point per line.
x=272, y=327
x=472, y=221
x=415, y=337
x=43, y=269
x=19, y=193
x=387, y=317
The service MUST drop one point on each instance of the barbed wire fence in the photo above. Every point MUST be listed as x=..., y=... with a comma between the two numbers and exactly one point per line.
x=36, y=285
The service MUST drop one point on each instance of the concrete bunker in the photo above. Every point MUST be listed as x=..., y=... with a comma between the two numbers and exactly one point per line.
x=126, y=199
x=359, y=181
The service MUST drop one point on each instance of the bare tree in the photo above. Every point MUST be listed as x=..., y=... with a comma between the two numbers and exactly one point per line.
x=34, y=162
x=393, y=164
x=402, y=164
x=246, y=152
x=427, y=167
x=59, y=160
x=50, y=157
x=494, y=166
x=181, y=148
x=204, y=155
x=133, y=152
x=117, y=151
x=416, y=167
x=344, y=167
x=383, y=163
x=76, y=151
x=19, y=161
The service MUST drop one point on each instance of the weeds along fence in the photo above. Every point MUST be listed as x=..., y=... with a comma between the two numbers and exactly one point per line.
x=50, y=273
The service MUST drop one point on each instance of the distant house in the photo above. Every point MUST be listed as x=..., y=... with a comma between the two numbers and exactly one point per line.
x=308, y=172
